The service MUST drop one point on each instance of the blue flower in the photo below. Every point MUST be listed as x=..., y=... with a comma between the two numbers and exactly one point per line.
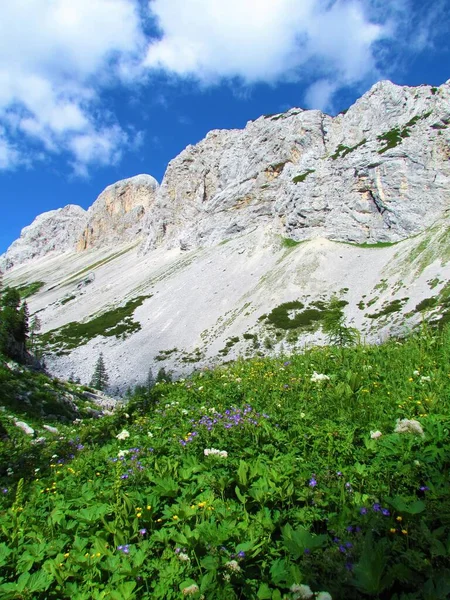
x=312, y=482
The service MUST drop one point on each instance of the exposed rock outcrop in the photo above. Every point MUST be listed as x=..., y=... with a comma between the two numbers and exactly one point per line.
x=116, y=216
x=55, y=231
x=380, y=172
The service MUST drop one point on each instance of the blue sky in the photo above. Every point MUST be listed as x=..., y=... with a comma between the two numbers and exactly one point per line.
x=93, y=91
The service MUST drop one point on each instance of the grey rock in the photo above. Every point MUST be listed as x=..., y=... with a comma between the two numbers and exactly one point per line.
x=24, y=427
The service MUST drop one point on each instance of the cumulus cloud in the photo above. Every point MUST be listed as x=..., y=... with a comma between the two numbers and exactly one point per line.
x=264, y=40
x=55, y=58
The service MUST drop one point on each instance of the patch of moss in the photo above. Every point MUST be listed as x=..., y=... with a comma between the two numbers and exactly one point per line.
x=28, y=289
x=289, y=243
x=342, y=150
x=303, y=176
x=434, y=90
x=426, y=304
x=390, y=307
x=115, y=322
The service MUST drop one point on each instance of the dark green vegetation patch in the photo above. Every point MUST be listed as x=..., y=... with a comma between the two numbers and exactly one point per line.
x=28, y=289
x=303, y=176
x=294, y=315
x=115, y=322
x=342, y=150
x=394, y=137
x=390, y=307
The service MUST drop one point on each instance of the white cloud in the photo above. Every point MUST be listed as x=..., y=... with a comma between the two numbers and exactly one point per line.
x=55, y=58
x=265, y=40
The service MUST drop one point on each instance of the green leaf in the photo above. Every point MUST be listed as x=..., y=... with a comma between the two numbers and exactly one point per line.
x=124, y=591
x=4, y=553
x=242, y=498
x=242, y=473
x=264, y=592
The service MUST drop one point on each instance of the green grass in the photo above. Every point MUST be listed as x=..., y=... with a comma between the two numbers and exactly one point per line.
x=304, y=495
x=342, y=151
x=290, y=243
x=303, y=176
x=28, y=289
x=115, y=322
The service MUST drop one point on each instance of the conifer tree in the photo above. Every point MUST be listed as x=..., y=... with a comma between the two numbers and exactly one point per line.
x=100, y=377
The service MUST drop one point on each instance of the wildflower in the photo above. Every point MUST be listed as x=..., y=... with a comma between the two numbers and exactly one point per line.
x=175, y=517
x=385, y=512
x=241, y=554
x=122, y=453
x=425, y=378
x=150, y=434
x=399, y=518
x=405, y=532
x=142, y=531
x=312, y=482
x=301, y=591
x=316, y=377
x=190, y=590
x=123, y=435
x=408, y=426
x=393, y=530
x=424, y=488
x=375, y=435
x=376, y=507
x=232, y=565
x=215, y=452
x=125, y=548
x=4, y=490
x=323, y=596
x=183, y=557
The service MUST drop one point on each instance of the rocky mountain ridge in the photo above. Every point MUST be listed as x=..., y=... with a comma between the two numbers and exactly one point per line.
x=249, y=235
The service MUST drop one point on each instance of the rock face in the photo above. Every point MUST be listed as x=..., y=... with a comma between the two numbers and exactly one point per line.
x=53, y=232
x=116, y=216
x=380, y=172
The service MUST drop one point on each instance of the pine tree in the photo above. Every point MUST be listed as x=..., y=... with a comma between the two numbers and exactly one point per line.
x=13, y=325
x=100, y=377
x=150, y=379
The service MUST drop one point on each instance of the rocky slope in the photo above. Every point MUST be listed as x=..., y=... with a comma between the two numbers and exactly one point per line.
x=250, y=234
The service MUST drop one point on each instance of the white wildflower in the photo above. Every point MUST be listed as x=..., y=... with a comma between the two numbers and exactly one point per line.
x=408, y=426
x=215, y=452
x=425, y=378
x=323, y=596
x=316, y=377
x=150, y=434
x=9, y=471
x=375, y=434
x=233, y=565
x=416, y=373
x=184, y=411
x=226, y=576
x=122, y=453
x=183, y=557
x=301, y=591
x=200, y=388
x=190, y=590
x=123, y=435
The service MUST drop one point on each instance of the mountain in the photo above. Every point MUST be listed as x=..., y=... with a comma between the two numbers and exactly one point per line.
x=248, y=237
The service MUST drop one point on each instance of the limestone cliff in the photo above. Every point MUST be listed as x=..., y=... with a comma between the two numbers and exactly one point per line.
x=116, y=216
x=379, y=172
x=53, y=232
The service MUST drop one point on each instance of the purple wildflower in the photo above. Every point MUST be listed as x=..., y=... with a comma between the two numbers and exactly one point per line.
x=385, y=512
x=241, y=554
x=142, y=531
x=307, y=551
x=4, y=490
x=125, y=549
x=124, y=476
x=424, y=488
x=312, y=482
x=363, y=510
x=376, y=507
x=342, y=549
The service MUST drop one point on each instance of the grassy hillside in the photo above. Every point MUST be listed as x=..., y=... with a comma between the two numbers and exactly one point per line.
x=266, y=479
